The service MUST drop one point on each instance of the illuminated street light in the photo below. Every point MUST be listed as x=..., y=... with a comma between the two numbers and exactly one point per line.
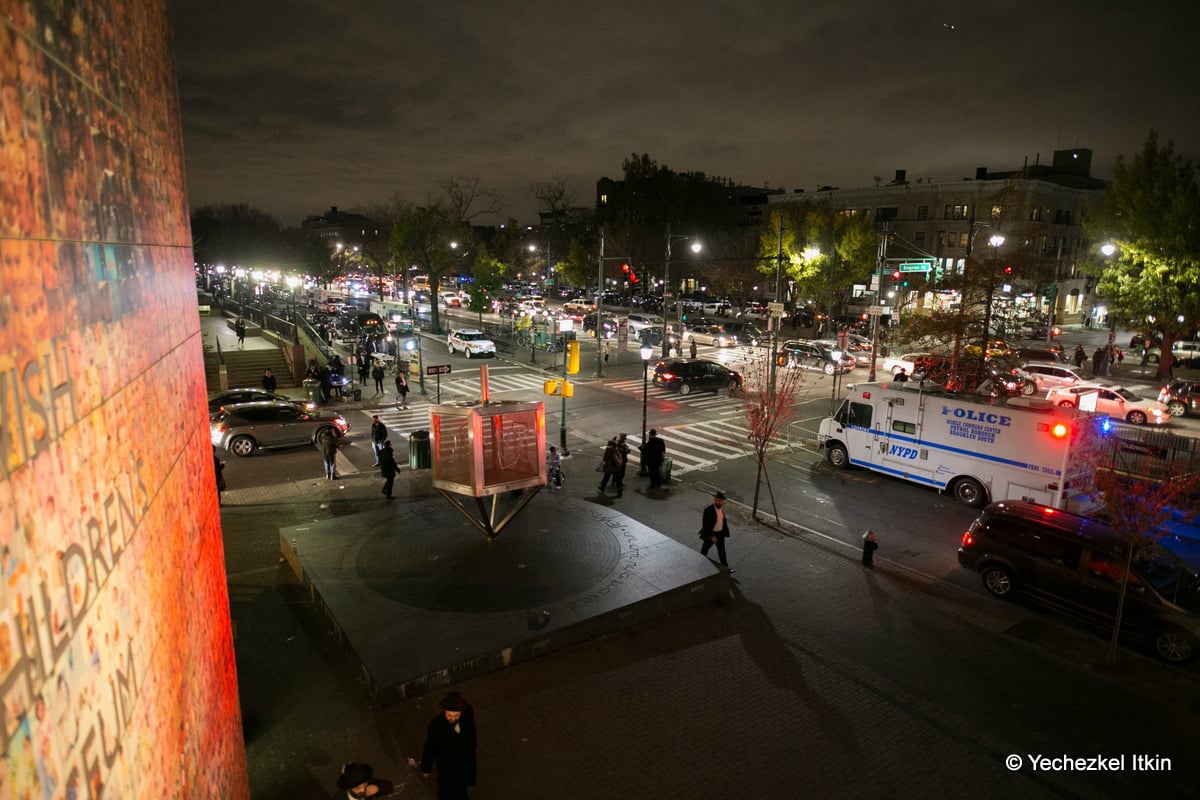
x=647, y=352
x=696, y=247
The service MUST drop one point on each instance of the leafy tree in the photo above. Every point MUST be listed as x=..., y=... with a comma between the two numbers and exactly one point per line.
x=376, y=242
x=422, y=237
x=1149, y=213
x=238, y=235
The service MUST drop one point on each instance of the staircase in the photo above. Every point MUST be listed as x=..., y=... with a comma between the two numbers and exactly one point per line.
x=246, y=367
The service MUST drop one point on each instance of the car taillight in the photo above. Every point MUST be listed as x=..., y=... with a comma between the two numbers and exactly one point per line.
x=968, y=539
x=667, y=376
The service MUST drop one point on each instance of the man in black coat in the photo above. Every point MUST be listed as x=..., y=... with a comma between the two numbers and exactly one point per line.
x=388, y=468
x=714, y=528
x=450, y=743
x=654, y=451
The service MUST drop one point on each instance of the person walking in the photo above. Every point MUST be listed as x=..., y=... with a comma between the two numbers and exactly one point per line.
x=623, y=452
x=870, y=545
x=714, y=528
x=1097, y=362
x=692, y=347
x=402, y=388
x=269, y=382
x=1080, y=356
x=239, y=327
x=654, y=451
x=901, y=376
x=450, y=743
x=379, y=434
x=329, y=449
x=388, y=468
x=378, y=374
x=610, y=464
x=554, y=476
x=364, y=368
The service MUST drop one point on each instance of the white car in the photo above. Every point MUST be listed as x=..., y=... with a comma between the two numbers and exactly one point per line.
x=909, y=362
x=471, y=342
x=1112, y=400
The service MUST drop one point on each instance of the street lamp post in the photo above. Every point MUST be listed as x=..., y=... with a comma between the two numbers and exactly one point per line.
x=696, y=248
x=647, y=352
x=995, y=241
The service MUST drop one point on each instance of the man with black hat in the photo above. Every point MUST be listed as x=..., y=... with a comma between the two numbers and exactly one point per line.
x=715, y=529
x=450, y=743
x=355, y=781
x=654, y=452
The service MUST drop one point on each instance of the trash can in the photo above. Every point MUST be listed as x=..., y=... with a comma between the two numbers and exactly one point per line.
x=418, y=450
x=357, y=394
x=666, y=469
x=312, y=390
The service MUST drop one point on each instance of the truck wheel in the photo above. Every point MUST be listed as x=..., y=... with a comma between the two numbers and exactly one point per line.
x=970, y=492
x=998, y=580
x=1029, y=389
x=1174, y=646
x=1176, y=408
x=242, y=446
x=837, y=456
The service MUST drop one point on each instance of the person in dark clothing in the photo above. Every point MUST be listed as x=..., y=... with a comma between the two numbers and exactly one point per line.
x=1080, y=356
x=377, y=374
x=364, y=367
x=901, y=376
x=329, y=449
x=357, y=780
x=388, y=468
x=692, y=348
x=654, y=451
x=870, y=545
x=714, y=529
x=611, y=464
x=623, y=452
x=1097, y=361
x=402, y=389
x=219, y=469
x=269, y=382
x=326, y=378
x=450, y=744
x=239, y=328
x=379, y=435
x=336, y=366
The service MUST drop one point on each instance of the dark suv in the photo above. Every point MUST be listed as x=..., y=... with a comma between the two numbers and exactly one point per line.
x=816, y=356
x=1181, y=397
x=1074, y=565
x=688, y=374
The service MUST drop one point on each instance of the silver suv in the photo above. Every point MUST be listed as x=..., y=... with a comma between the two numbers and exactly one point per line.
x=245, y=428
x=1041, y=378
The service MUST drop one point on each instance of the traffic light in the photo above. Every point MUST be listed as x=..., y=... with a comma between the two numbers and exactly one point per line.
x=896, y=275
x=630, y=275
x=573, y=357
x=1008, y=270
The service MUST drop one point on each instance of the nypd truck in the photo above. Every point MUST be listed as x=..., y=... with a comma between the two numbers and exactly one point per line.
x=978, y=449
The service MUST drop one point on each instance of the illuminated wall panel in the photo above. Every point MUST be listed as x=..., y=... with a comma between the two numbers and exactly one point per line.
x=116, y=661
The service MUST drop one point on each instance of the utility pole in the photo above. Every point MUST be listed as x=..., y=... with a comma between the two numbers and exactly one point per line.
x=600, y=310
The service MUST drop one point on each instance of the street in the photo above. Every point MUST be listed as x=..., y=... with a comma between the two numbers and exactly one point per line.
x=817, y=676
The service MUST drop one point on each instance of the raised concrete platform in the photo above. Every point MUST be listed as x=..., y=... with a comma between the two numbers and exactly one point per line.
x=422, y=600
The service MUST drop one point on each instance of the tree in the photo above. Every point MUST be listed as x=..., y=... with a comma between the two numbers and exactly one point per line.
x=1149, y=213
x=768, y=410
x=422, y=237
x=238, y=235
x=376, y=243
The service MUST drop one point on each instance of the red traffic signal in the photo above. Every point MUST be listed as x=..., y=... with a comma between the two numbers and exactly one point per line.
x=625, y=268
x=1008, y=270
x=896, y=275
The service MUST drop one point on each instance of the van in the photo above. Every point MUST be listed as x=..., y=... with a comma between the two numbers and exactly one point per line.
x=638, y=320
x=1074, y=565
x=1047, y=354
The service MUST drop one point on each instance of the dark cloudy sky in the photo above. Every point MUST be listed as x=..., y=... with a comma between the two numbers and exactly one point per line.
x=293, y=106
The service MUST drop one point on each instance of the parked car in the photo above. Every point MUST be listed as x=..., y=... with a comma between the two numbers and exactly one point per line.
x=471, y=342
x=912, y=363
x=231, y=397
x=1041, y=378
x=1187, y=355
x=686, y=375
x=1075, y=565
x=244, y=428
x=748, y=333
x=1113, y=400
x=609, y=323
x=709, y=333
x=814, y=355
x=1181, y=396
x=1054, y=355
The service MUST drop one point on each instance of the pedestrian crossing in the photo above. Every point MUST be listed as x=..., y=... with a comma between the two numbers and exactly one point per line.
x=710, y=401
x=701, y=446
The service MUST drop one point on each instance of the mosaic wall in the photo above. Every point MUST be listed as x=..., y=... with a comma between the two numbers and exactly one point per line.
x=116, y=660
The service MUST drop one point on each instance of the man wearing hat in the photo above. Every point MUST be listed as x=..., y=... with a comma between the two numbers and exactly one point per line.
x=355, y=781
x=654, y=452
x=715, y=529
x=450, y=743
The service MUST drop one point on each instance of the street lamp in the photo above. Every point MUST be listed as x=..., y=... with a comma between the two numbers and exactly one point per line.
x=995, y=240
x=696, y=247
x=647, y=352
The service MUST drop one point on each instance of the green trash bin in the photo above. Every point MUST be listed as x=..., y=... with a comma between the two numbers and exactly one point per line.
x=418, y=450
x=312, y=390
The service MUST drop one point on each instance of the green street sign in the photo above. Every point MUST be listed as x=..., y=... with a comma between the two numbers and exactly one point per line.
x=915, y=266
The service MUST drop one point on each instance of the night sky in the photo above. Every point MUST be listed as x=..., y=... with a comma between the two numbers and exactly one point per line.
x=294, y=106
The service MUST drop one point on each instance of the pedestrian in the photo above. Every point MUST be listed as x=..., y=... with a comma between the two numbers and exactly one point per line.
x=692, y=348
x=1120, y=357
x=1080, y=356
x=379, y=434
x=377, y=373
x=325, y=376
x=870, y=545
x=269, y=382
x=607, y=352
x=554, y=476
x=219, y=469
x=623, y=452
x=714, y=528
x=450, y=744
x=357, y=780
x=388, y=468
x=401, y=388
x=653, y=452
x=1097, y=361
x=239, y=327
x=901, y=376
x=364, y=368
x=610, y=464
x=329, y=449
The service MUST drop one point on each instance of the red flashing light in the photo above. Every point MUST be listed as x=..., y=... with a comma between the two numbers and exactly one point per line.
x=866, y=395
x=1049, y=512
x=625, y=268
x=1059, y=429
x=968, y=539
